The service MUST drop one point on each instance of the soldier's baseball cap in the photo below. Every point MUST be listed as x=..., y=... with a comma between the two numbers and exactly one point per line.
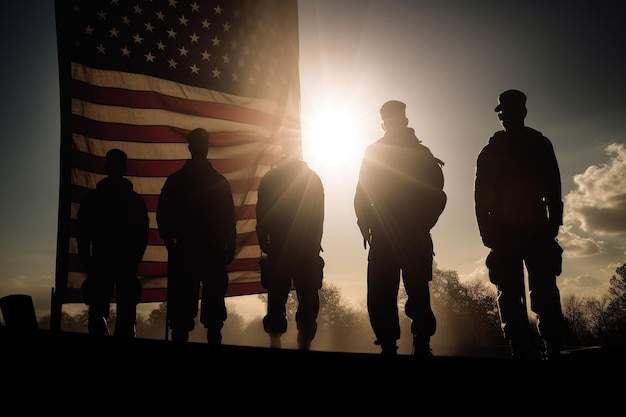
x=511, y=100
x=393, y=108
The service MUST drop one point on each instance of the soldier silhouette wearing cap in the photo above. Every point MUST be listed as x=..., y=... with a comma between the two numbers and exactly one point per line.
x=196, y=219
x=112, y=235
x=397, y=202
x=519, y=210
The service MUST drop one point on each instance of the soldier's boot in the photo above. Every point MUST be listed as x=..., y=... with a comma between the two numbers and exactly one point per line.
x=523, y=350
x=421, y=346
x=214, y=337
x=389, y=349
x=552, y=351
x=275, y=340
x=97, y=326
x=180, y=336
x=303, y=342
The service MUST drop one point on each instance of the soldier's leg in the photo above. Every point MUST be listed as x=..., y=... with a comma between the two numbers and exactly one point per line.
x=97, y=320
x=417, y=274
x=213, y=312
x=423, y=321
x=97, y=291
x=383, y=283
x=308, y=281
x=128, y=294
x=544, y=265
x=275, y=320
x=182, y=301
x=506, y=271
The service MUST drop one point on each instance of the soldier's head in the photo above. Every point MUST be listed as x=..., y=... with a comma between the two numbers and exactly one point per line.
x=511, y=109
x=198, y=140
x=115, y=165
x=393, y=115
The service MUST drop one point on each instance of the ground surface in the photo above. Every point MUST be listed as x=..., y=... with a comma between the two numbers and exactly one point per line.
x=103, y=373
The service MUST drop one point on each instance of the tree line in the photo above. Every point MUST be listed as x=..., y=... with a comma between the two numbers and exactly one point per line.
x=467, y=316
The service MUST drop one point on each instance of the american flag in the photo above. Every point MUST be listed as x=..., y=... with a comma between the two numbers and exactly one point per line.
x=139, y=76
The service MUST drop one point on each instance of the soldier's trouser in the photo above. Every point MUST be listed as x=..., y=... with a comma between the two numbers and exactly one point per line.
x=383, y=282
x=186, y=271
x=98, y=314
x=307, y=284
x=128, y=294
x=275, y=321
x=307, y=278
x=506, y=271
x=112, y=277
x=213, y=311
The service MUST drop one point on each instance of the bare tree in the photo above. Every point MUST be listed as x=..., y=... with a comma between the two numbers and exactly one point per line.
x=576, y=315
x=615, y=322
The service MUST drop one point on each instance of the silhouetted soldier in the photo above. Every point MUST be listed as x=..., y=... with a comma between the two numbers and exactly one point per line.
x=290, y=218
x=112, y=237
x=398, y=200
x=196, y=218
x=519, y=211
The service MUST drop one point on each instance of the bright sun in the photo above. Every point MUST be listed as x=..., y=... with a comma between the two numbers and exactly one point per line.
x=330, y=141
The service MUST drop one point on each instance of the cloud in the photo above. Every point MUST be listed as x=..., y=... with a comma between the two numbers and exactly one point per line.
x=581, y=281
x=21, y=284
x=575, y=246
x=598, y=204
x=480, y=273
x=614, y=266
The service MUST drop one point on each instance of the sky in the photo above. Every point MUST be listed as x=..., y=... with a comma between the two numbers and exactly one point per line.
x=447, y=60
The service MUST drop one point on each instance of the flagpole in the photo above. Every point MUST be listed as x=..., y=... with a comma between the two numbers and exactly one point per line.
x=62, y=14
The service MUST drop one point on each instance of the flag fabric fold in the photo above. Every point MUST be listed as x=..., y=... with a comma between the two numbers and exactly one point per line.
x=139, y=76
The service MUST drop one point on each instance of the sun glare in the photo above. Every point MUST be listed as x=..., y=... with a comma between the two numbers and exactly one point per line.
x=330, y=141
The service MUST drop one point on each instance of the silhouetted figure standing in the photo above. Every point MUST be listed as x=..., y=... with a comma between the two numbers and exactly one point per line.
x=519, y=211
x=290, y=218
x=398, y=200
x=112, y=237
x=196, y=218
